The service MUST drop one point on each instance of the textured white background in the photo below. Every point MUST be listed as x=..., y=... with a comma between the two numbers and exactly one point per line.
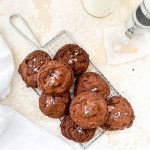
x=47, y=18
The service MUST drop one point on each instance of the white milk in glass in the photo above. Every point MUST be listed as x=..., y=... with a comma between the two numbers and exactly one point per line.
x=99, y=8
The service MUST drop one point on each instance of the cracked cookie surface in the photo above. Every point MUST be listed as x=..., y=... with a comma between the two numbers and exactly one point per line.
x=121, y=114
x=88, y=110
x=74, y=132
x=31, y=65
x=91, y=81
x=75, y=56
x=55, y=78
x=54, y=106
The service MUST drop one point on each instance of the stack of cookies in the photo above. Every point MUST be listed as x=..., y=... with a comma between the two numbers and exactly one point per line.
x=91, y=106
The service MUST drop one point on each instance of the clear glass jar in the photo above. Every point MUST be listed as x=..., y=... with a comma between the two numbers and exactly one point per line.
x=140, y=20
x=137, y=26
x=99, y=8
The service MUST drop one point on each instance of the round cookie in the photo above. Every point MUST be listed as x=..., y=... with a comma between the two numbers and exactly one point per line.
x=73, y=132
x=88, y=110
x=75, y=56
x=31, y=65
x=55, y=78
x=54, y=106
x=121, y=114
x=91, y=81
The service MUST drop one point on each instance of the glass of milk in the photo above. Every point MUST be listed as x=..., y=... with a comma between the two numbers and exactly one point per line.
x=99, y=8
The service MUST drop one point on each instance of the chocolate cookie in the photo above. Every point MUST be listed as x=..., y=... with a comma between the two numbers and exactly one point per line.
x=31, y=65
x=121, y=114
x=73, y=132
x=54, y=106
x=88, y=110
x=91, y=81
x=55, y=78
x=75, y=56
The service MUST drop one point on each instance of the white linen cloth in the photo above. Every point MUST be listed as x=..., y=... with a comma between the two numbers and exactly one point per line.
x=18, y=133
x=139, y=46
x=6, y=68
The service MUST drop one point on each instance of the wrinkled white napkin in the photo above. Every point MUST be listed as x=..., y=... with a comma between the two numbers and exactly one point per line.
x=6, y=68
x=18, y=133
x=5, y=118
x=140, y=45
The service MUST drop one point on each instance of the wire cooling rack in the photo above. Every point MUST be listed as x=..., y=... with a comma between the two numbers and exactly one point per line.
x=51, y=48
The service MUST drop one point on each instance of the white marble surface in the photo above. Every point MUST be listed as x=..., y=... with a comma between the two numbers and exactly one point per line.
x=47, y=18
